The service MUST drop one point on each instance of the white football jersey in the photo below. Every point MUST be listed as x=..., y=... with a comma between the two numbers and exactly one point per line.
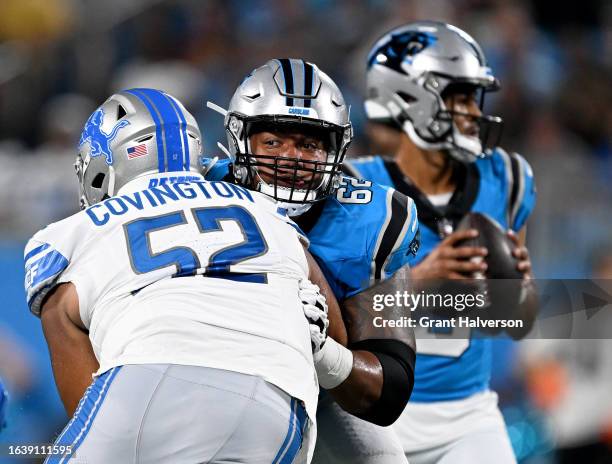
x=196, y=273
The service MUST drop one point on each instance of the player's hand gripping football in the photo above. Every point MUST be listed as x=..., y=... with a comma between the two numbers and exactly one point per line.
x=521, y=253
x=448, y=261
x=315, y=310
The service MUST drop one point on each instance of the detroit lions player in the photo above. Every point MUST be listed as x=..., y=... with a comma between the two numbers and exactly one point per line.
x=288, y=129
x=424, y=79
x=182, y=295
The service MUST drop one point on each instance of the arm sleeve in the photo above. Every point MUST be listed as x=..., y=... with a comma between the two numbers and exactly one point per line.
x=397, y=360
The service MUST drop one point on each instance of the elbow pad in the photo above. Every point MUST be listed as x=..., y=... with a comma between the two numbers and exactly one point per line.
x=397, y=360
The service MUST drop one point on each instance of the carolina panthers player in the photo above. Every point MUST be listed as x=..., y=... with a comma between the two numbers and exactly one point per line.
x=288, y=130
x=185, y=297
x=425, y=79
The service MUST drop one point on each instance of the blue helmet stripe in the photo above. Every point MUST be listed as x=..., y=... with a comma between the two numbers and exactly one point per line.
x=158, y=129
x=171, y=127
x=183, y=128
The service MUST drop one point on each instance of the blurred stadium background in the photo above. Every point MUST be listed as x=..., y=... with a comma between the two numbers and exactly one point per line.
x=59, y=59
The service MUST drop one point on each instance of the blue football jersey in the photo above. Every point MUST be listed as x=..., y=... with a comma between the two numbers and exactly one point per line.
x=362, y=235
x=501, y=186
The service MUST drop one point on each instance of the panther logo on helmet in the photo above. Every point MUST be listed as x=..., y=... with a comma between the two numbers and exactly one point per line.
x=414, y=71
x=401, y=47
x=99, y=140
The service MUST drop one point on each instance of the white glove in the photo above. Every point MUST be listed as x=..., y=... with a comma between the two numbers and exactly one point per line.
x=315, y=310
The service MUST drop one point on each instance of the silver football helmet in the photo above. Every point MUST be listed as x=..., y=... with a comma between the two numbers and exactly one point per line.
x=134, y=133
x=410, y=71
x=298, y=96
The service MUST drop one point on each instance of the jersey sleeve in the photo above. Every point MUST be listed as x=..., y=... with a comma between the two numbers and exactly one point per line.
x=44, y=264
x=48, y=260
x=523, y=193
x=392, y=239
x=409, y=243
x=516, y=178
x=397, y=239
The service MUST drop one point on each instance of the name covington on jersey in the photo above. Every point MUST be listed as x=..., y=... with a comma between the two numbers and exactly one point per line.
x=100, y=213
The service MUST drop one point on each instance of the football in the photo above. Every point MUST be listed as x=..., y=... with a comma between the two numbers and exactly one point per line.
x=501, y=264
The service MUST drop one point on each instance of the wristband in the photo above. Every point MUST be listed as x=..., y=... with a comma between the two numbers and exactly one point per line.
x=333, y=364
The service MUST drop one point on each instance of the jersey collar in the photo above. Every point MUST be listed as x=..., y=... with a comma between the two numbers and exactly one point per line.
x=146, y=181
x=468, y=185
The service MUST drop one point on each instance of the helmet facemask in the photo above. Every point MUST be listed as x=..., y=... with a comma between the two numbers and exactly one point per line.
x=96, y=189
x=487, y=129
x=441, y=132
x=295, y=181
x=290, y=96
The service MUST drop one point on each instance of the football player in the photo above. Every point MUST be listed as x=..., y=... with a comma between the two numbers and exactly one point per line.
x=288, y=130
x=428, y=80
x=185, y=297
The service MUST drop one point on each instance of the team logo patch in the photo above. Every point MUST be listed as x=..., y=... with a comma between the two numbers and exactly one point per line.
x=137, y=151
x=99, y=140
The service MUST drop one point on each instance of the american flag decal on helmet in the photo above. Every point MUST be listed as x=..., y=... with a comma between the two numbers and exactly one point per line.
x=137, y=151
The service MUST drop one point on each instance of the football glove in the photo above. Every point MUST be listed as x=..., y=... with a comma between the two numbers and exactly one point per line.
x=315, y=310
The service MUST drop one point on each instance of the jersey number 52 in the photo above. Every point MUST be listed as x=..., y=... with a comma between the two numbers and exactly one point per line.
x=186, y=260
